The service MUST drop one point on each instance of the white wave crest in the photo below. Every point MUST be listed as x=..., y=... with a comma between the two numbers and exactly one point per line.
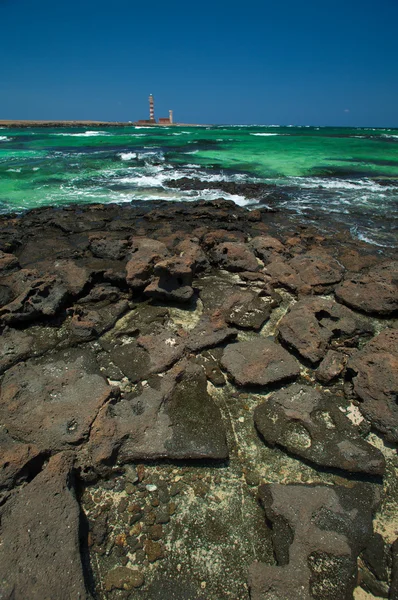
x=4, y=138
x=85, y=134
x=14, y=170
x=267, y=134
x=128, y=155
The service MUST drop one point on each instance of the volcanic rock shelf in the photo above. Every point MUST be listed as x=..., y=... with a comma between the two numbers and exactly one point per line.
x=164, y=365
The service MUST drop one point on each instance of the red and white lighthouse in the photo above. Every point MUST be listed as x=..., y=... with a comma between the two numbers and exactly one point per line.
x=151, y=109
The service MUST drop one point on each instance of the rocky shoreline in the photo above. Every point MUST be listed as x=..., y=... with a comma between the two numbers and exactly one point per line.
x=197, y=401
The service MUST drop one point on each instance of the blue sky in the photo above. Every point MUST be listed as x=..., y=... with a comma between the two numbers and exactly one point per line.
x=281, y=62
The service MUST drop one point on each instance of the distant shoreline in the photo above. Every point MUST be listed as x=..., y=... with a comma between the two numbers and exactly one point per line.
x=26, y=123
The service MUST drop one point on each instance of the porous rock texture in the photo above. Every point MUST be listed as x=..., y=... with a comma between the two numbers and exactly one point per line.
x=374, y=380
x=318, y=533
x=310, y=424
x=116, y=323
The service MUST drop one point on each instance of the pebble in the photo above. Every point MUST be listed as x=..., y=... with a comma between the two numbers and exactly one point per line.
x=123, y=504
x=151, y=487
x=156, y=532
x=130, y=474
x=129, y=488
x=140, y=556
x=153, y=550
x=162, y=516
x=172, y=508
x=150, y=518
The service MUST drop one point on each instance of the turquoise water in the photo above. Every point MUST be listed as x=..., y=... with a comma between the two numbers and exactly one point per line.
x=328, y=175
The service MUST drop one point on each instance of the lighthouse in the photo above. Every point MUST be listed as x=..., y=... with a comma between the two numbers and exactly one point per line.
x=151, y=109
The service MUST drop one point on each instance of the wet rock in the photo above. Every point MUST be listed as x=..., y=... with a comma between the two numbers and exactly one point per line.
x=374, y=291
x=317, y=532
x=234, y=257
x=331, y=366
x=41, y=400
x=123, y=578
x=146, y=252
x=40, y=529
x=174, y=280
x=311, y=325
x=33, y=297
x=259, y=362
x=373, y=372
x=309, y=424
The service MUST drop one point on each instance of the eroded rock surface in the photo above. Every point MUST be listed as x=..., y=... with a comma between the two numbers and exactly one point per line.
x=312, y=324
x=310, y=424
x=374, y=375
x=318, y=532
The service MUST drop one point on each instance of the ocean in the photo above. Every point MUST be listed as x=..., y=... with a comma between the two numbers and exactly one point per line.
x=330, y=177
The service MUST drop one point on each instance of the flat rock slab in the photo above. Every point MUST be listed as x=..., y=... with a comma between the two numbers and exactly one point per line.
x=308, y=423
x=375, y=291
x=53, y=401
x=164, y=350
x=312, y=323
x=211, y=331
x=318, y=533
x=317, y=269
x=177, y=419
x=259, y=362
x=374, y=376
x=40, y=529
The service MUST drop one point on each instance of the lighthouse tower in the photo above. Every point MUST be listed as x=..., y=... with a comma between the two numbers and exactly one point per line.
x=151, y=109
